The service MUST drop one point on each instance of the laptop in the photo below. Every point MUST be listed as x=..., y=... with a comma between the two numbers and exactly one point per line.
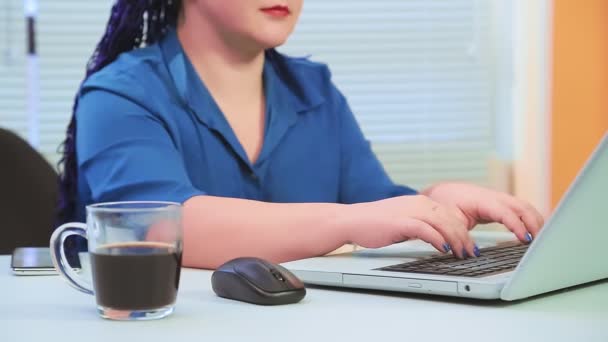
x=570, y=250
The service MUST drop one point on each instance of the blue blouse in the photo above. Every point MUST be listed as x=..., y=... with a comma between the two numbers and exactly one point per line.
x=148, y=129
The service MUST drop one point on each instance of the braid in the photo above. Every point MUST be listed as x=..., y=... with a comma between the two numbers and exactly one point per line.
x=131, y=23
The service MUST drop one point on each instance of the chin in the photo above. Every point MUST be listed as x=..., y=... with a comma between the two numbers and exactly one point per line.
x=272, y=43
x=271, y=39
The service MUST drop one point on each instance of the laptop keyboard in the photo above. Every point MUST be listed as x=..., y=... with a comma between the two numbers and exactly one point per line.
x=493, y=260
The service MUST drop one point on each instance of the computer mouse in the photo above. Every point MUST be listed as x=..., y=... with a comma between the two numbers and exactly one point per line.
x=257, y=281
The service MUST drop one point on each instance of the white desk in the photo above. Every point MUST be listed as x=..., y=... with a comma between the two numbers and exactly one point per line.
x=45, y=308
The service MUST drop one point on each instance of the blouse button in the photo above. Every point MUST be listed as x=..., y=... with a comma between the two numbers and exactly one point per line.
x=253, y=176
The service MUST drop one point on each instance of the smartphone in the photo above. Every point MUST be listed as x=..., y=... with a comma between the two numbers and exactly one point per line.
x=36, y=261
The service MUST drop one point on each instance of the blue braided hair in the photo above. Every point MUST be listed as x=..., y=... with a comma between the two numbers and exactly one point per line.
x=132, y=23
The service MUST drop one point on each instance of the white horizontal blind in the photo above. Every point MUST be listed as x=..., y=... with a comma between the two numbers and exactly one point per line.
x=418, y=74
x=13, y=67
x=67, y=32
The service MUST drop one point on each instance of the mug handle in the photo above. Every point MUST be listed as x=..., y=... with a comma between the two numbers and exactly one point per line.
x=58, y=254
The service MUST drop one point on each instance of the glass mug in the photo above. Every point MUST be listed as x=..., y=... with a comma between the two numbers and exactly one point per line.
x=135, y=249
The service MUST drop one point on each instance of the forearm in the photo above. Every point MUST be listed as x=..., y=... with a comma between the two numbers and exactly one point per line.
x=217, y=229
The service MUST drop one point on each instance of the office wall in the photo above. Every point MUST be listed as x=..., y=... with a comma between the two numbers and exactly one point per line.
x=580, y=87
x=533, y=27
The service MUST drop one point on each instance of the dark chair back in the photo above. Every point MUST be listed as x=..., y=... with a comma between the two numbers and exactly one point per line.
x=28, y=195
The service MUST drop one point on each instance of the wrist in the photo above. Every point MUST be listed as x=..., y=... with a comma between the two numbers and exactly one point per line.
x=347, y=216
x=353, y=218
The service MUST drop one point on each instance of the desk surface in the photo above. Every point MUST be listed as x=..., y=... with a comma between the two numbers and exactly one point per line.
x=45, y=308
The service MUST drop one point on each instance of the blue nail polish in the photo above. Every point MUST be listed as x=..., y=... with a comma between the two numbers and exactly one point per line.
x=477, y=252
x=464, y=253
x=528, y=237
x=446, y=247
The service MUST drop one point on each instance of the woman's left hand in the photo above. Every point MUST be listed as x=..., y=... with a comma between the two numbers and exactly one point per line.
x=477, y=205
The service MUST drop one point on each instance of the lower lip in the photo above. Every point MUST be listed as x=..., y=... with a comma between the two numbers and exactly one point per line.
x=276, y=12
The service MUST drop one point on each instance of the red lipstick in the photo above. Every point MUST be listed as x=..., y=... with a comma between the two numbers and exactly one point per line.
x=277, y=11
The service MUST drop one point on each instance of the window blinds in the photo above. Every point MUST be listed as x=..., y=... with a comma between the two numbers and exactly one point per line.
x=67, y=32
x=13, y=67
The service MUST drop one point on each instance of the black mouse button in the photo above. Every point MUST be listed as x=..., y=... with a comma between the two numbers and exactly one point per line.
x=290, y=278
x=261, y=275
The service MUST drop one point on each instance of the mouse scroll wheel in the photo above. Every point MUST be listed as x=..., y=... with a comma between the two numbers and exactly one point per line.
x=277, y=275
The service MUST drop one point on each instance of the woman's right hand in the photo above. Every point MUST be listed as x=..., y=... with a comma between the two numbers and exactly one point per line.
x=385, y=222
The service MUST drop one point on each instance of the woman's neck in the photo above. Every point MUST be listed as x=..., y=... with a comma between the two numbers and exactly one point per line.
x=228, y=67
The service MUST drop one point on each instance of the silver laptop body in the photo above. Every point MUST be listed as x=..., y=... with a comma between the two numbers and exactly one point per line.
x=570, y=250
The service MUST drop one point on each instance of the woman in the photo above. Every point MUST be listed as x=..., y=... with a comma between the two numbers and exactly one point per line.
x=188, y=101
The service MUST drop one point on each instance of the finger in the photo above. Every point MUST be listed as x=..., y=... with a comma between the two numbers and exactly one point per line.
x=421, y=230
x=452, y=230
x=525, y=216
x=461, y=227
x=470, y=223
x=528, y=214
x=501, y=213
x=530, y=208
x=433, y=217
x=539, y=217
